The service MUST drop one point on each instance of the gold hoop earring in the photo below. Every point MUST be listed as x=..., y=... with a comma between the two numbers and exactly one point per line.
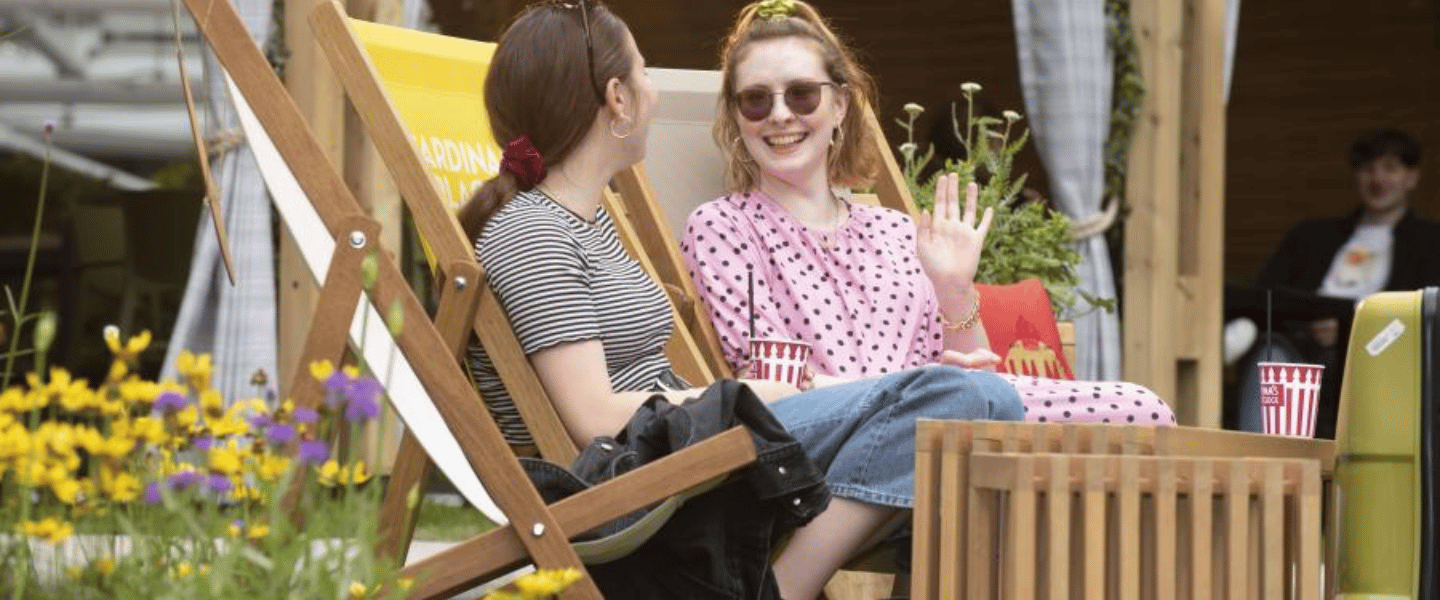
x=617, y=135
x=738, y=151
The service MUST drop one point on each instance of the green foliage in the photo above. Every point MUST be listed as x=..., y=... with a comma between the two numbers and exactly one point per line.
x=1026, y=239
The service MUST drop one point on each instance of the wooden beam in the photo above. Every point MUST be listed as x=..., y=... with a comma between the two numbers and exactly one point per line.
x=1151, y=262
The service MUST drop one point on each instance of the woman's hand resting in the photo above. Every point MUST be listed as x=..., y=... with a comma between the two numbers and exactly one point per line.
x=949, y=241
x=980, y=359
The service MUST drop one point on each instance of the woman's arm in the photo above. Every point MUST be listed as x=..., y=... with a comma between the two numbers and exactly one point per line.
x=574, y=376
x=949, y=243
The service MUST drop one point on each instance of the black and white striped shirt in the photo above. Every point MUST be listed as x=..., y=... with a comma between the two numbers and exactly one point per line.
x=563, y=279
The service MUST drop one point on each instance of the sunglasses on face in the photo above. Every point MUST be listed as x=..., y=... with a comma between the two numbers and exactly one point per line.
x=801, y=97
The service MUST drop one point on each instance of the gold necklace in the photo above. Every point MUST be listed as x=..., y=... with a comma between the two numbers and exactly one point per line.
x=823, y=239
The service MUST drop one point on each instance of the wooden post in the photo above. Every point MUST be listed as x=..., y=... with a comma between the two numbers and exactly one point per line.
x=1174, y=244
x=317, y=94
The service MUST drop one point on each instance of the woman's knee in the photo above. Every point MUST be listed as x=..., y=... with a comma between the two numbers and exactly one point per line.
x=970, y=394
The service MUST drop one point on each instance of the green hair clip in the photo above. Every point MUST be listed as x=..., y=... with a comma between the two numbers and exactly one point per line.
x=777, y=9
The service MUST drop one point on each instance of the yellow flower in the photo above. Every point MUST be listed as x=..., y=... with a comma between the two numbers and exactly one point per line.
x=49, y=529
x=321, y=369
x=118, y=370
x=357, y=590
x=546, y=583
x=75, y=572
x=189, y=417
x=332, y=474
x=138, y=391
x=196, y=369
x=181, y=570
x=406, y=583
x=103, y=565
x=271, y=467
x=67, y=490
x=351, y=371
x=225, y=459
x=212, y=402
x=121, y=486
x=131, y=349
x=258, y=530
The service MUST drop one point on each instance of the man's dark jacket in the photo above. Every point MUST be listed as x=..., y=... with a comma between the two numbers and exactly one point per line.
x=718, y=545
x=1305, y=254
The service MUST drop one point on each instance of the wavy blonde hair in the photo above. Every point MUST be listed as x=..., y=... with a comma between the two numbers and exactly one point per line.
x=853, y=160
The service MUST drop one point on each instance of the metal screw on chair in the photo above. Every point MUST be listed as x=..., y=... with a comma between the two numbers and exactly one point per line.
x=461, y=283
x=357, y=239
x=796, y=501
x=781, y=470
x=538, y=530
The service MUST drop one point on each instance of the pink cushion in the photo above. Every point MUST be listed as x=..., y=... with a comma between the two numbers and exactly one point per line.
x=1021, y=327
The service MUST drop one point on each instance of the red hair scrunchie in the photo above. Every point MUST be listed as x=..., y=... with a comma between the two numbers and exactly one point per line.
x=524, y=161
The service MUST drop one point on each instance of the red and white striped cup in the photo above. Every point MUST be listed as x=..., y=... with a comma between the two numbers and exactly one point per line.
x=779, y=360
x=1289, y=397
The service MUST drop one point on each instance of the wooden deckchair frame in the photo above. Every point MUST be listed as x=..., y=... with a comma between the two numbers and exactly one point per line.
x=537, y=534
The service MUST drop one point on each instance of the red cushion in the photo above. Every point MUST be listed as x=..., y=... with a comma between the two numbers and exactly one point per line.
x=1021, y=326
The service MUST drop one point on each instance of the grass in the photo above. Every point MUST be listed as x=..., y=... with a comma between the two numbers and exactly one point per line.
x=443, y=523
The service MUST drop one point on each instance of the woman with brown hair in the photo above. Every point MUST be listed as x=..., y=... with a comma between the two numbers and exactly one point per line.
x=568, y=94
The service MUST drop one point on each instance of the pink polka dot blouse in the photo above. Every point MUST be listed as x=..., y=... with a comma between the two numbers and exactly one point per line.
x=858, y=296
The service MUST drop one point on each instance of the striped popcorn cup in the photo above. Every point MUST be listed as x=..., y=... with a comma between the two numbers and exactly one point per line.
x=779, y=360
x=1289, y=397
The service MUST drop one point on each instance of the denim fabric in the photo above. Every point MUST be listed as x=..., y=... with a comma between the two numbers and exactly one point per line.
x=862, y=433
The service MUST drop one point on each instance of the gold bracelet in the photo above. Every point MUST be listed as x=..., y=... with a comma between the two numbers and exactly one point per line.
x=968, y=322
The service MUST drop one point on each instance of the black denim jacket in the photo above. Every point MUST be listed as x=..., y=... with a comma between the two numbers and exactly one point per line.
x=718, y=545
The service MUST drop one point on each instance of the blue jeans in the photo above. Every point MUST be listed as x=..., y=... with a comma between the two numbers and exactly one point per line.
x=862, y=433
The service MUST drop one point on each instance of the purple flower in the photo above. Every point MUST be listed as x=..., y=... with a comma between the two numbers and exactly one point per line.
x=183, y=479
x=204, y=443
x=315, y=452
x=280, y=434
x=260, y=421
x=306, y=415
x=171, y=403
x=337, y=385
x=152, y=493
x=365, y=389
x=220, y=483
x=361, y=409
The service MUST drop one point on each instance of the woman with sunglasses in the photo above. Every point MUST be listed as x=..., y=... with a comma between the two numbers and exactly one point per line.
x=568, y=94
x=871, y=291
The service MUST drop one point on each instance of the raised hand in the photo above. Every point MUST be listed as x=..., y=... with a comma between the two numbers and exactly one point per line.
x=949, y=241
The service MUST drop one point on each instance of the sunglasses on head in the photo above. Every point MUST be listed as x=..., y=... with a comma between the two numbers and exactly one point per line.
x=584, y=7
x=801, y=97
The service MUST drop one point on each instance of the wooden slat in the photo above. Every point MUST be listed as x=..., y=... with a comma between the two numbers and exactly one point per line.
x=1272, y=508
x=1309, y=540
x=498, y=337
x=1128, y=492
x=930, y=501
x=467, y=563
x=1166, y=540
x=1057, y=504
x=953, y=475
x=1237, y=516
x=1095, y=503
x=1201, y=513
x=983, y=513
x=1020, y=561
x=890, y=183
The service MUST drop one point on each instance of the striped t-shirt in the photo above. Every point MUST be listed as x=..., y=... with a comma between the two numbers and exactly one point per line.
x=563, y=279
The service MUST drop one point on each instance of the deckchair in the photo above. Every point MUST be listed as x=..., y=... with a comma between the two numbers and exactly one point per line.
x=535, y=533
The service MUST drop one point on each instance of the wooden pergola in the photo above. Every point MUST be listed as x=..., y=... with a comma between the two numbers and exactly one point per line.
x=1173, y=261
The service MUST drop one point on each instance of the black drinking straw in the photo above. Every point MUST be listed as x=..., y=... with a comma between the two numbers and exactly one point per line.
x=1268, y=356
x=750, y=297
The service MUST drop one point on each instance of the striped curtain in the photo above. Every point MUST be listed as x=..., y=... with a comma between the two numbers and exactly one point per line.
x=235, y=323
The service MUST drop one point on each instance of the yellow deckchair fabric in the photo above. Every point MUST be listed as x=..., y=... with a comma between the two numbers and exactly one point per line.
x=431, y=79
